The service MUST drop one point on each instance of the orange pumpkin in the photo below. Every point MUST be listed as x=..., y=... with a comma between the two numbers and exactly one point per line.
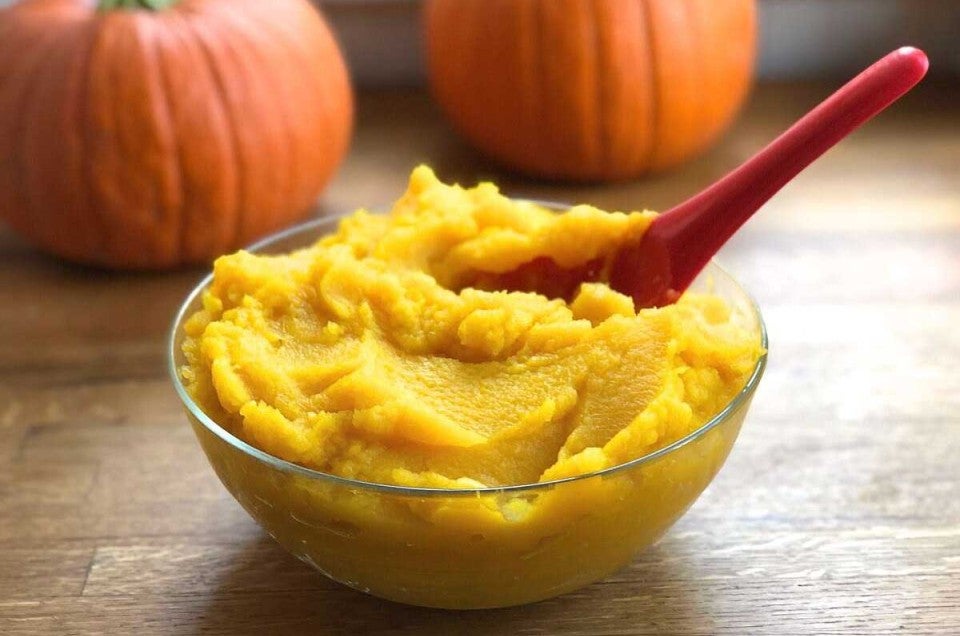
x=150, y=133
x=590, y=89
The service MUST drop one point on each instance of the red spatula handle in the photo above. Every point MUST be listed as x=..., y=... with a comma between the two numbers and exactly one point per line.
x=694, y=231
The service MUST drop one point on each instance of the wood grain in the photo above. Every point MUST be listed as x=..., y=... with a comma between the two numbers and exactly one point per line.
x=838, y=511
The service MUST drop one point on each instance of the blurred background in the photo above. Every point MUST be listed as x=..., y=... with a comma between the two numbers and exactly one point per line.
x=799, y=39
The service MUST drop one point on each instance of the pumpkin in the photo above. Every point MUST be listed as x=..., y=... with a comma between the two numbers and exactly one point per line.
x=151, y=133
x=590, y=89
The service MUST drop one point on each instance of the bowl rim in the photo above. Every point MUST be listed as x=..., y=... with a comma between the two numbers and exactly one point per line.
x=285, y=466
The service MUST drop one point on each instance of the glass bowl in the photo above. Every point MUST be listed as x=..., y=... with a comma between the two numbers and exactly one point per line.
x=463, y=549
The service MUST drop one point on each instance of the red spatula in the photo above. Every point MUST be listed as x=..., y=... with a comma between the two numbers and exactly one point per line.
x=681, y=241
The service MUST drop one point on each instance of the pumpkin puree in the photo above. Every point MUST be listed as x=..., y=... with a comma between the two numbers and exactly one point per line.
x=390, y=351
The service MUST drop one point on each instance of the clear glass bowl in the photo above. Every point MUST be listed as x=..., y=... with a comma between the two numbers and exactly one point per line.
x=460, y=548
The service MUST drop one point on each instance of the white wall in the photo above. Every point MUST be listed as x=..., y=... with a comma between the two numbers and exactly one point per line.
x=804, y=38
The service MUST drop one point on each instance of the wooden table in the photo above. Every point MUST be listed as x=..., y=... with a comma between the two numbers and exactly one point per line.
x=838, y=511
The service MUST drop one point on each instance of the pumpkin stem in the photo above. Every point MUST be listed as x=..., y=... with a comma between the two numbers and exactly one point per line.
x=151, y=5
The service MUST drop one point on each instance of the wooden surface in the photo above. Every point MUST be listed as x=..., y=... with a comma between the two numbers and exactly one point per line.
x=838, y=511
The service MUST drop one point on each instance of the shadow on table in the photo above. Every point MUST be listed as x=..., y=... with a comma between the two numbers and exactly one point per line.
x=268, y=591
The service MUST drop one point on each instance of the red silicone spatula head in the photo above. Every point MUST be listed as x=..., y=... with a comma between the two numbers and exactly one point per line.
x=681, y=241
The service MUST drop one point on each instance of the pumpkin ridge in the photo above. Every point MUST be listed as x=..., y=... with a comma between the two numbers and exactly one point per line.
x=679, y=99
x=696, y=71
x=207, y=212
x=88, y=160
x=630, y=118
x=83, y=153
x=306, y=185
x=246, y=116
x=177, y=169
x=136, y=208
x=471, y=108
x=281, y=40
x=116, y=164
x=18, y=215
x=236, y=155
x=699, y=71
x=60, y=84
x=601, y=84
x=247, y=47
x=168, y=197
x=549, y=151
x=532, y=106
x=648, y=28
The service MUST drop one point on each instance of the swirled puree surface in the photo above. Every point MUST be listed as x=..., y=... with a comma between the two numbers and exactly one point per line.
x=450, y=344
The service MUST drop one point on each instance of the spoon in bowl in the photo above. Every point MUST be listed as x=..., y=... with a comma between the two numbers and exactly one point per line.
x=680, y=242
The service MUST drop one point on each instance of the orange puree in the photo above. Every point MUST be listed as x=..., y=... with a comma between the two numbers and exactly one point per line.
x=386, y=352
x=449, y=344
